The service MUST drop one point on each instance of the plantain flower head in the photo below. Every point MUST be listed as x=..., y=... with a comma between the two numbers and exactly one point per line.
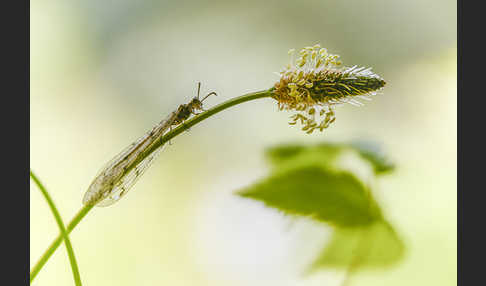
x=314, y=83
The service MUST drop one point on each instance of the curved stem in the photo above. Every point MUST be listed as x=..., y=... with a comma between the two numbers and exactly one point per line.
x=55, y=244
x=200, y=117
x=168, y=136
x=64, y=234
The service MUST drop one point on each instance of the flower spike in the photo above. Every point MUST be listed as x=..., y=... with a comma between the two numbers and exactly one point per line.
x=315, y=82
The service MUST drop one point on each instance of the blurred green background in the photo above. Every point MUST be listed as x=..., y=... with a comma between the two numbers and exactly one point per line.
x=104, y=72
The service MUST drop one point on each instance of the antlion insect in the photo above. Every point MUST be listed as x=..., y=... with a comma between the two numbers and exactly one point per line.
x=121, y=172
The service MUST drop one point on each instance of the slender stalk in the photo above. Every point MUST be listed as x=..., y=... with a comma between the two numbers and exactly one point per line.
x=55, y=244
x=168, y=136
x=198, y=118
x=64, y=234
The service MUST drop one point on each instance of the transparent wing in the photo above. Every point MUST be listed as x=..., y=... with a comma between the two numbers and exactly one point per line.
x=123, y=185
x=109, y=174
x=113, y=181
x=123, y=154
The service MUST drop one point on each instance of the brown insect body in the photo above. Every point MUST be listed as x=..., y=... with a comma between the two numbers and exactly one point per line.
x=120, y=173
x=185, y=110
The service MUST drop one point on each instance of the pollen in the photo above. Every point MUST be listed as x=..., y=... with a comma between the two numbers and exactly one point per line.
x=316, y=81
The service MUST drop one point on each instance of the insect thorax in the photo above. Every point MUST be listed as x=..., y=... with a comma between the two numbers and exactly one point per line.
x=195, y=104
x=185, y=110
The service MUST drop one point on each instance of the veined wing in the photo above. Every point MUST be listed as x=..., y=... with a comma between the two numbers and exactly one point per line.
x=121, y=172
x=127, y=181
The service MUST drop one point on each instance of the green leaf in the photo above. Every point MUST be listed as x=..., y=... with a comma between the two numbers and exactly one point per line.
x=331, y=196
x=328, y=152
x=327, y=182
x=373, y=246
x=281, y=154
x=375, y=156
x=284, y=151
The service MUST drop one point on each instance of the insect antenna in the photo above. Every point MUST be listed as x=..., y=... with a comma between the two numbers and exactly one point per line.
x=211, y=93
x=199, y=90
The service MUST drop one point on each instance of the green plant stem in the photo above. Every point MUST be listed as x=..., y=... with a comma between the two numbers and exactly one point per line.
x=168, y=136
x=55, y=244
x=64, y=234
x=200, y=117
